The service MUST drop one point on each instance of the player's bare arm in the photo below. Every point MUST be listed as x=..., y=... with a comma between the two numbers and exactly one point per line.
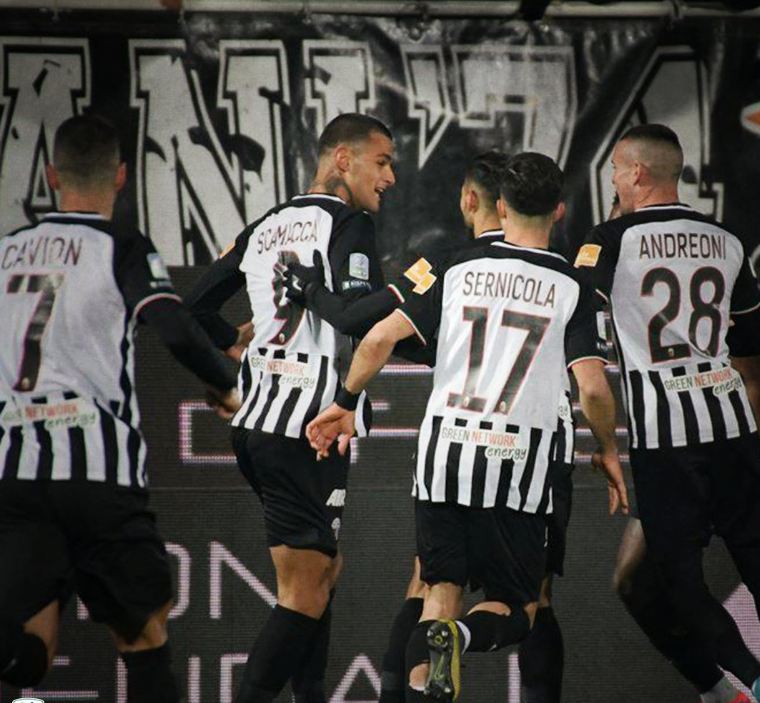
x=598, y=405
x=337, y=421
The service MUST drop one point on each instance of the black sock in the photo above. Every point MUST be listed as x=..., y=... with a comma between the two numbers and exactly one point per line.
x=393, y=676
x=646, y=602
x=309, y=679
x=542, y=657
x=489, y=631
x=278, y=652
x=416, y=653
x=149, y=676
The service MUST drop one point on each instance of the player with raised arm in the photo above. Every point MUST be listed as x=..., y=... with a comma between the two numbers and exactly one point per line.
x=541, y=654
x=509, y=318
x=683, y=298
x=73, y=488
x=290, y=371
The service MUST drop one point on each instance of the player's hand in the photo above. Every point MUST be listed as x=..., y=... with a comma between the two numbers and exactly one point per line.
x=223, y=403
x=608, y=462
x=245, y=335
x=331, y=424
x=297, y=277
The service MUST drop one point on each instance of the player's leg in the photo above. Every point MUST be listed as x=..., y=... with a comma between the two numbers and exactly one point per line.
x=636, y=583
x=541, y=654
x=674, y=493
x=303, y=505
x=393, y=676
x=123, y=577
x=33, y=583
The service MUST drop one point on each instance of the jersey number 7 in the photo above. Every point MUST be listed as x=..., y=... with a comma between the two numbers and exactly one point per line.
x=47, y=285
x=535, y=325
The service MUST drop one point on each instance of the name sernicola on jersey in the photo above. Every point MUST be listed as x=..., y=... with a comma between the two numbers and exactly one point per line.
x=292, y=368
x=70, y=292
x=674, y=280
x=509, y=320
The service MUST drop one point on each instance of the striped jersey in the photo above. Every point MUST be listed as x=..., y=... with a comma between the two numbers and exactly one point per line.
x=675, y=281
x=293, y=367
x=71, y=288
x=509, y=320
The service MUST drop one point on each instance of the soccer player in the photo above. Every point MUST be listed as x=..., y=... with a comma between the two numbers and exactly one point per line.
x=73, y=491
x=681, y=294
x=541, y=654
x=508, y=317
x=290, y=371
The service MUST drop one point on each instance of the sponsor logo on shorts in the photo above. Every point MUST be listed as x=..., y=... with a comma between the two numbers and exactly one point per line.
x=337, y=498
x=336, y=527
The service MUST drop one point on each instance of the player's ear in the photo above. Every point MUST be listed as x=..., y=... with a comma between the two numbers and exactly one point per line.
x=501, y=208
x=52, y=177
x=342, y=156
x=121, y=176
x=559, y=211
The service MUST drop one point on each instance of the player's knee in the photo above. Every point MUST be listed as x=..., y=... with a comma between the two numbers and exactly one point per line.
x=24, y=659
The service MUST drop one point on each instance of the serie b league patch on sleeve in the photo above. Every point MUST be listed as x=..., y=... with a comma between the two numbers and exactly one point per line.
x=358, y=266
x=588, y=255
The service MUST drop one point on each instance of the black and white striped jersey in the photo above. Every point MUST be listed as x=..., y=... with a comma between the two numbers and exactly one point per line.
x=509, y=320
x=675, y=281
x=293, y=367
x=71, y=289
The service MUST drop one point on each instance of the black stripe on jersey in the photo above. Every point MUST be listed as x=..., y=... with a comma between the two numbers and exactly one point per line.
x=623, y=377
x=77, y=451
x=274, y=389
x=559, y=443
x=316, y=400
x=741, y=416
x=435, y=432
x=479, y=471
x=133, y=452
x=664, y=431
x=713, y=407
x=505, y=481
x=543, y=504
x=690, y=421
x=290, y=402
x=255, y=399
x=453, y=458
x=637, y=402
x=246, y=378
x=124, y=382
x=110, y=445
x=530, y=466
x=13, y=456
x=45, y=442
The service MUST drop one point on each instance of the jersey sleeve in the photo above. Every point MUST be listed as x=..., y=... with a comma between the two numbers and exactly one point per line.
x=745, y=296
x=582, y=338
x=354, y=261
x=422, y=306
x=140, y=273
x=598, y=256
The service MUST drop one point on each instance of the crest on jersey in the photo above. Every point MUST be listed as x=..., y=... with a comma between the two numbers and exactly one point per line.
x=588, y=255
x=358, y=266
x=420, y=273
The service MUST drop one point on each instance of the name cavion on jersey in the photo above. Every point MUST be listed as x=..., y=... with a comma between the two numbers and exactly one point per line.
x=287, y=233
x=43, y=251
x=509, y=285
x=693, y=245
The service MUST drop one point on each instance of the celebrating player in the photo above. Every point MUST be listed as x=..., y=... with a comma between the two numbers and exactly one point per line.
x=682, y=298
x=290, y=371
x=505, y=315
x=73, y=498
x=541, y=654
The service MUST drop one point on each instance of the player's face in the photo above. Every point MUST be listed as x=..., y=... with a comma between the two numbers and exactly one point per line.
x=623, y=176
x=370, y=173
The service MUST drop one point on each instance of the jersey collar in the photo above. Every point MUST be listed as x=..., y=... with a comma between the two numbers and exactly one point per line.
x=489, y=233
x=666, y=206
x=329, y=196
x=77, y=215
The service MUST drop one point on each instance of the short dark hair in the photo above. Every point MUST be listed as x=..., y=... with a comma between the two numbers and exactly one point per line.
x=485, y=171
x=654, y=133
x=532, y=184
x=86, y=150
x=350, y=127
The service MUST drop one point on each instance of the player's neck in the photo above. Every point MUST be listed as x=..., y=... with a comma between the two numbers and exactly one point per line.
x=486, y=223
x=75, y=201
x=524, y=235
x=330, y=182
x=662, y=195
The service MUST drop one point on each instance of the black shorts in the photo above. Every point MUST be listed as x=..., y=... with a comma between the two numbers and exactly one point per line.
x=497, y=549
x=302, y=498
x=687, y=494
x=100, y=540
x=561, y=476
